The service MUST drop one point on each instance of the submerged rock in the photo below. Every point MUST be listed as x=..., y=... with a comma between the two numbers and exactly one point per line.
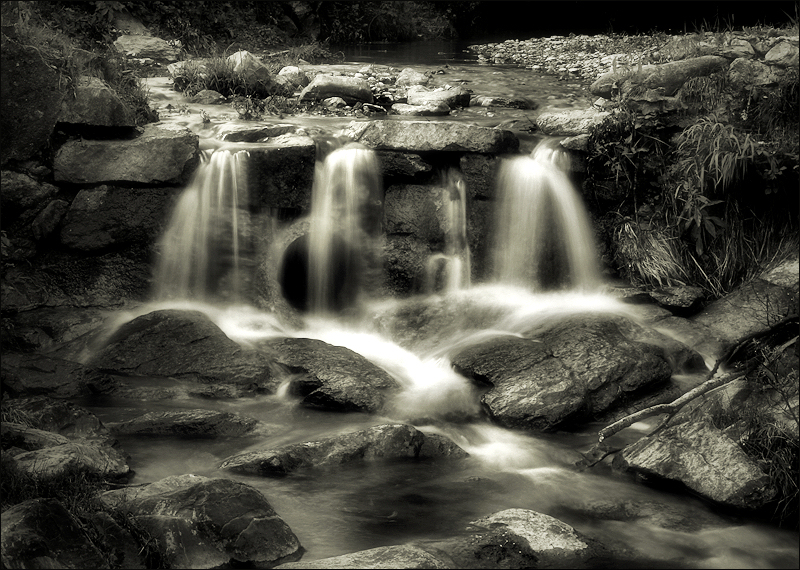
x=514, y=538
x=199, y=522
x=398, y=556
x=95, y=104
x=378, y=443
x=188, y=423
x=573, y=369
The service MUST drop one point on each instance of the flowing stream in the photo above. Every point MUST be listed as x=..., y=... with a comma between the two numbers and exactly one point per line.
x=366, y=505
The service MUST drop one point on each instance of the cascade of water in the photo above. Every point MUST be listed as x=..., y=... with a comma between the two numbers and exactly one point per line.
x=202, y=244
x=544, y=238
x=451, y=270
x=345, y=216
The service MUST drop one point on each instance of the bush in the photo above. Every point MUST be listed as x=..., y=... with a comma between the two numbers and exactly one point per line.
x=70, y=61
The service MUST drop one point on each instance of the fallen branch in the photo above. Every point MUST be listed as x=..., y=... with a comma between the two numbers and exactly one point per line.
x=672, y=407
x=600, y=450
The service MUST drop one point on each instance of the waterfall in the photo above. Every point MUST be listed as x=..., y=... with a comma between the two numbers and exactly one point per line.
x=544, y=239
x=345, y=218
x=451, y=270
x=201, y=248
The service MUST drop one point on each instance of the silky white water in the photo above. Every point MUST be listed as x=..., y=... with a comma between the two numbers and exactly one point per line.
x=451, y=269
x=543, y=237
x=202, y=244
x=363, y=506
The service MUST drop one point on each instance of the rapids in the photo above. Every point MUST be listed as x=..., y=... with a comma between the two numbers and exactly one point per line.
x=369, y=505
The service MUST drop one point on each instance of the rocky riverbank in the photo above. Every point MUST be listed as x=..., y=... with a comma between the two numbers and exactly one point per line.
x=574, y=55
x=589, y=57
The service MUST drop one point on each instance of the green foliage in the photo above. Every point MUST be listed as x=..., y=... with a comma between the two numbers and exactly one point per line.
x=649, y=254
x=624, y=148
x=704, y=94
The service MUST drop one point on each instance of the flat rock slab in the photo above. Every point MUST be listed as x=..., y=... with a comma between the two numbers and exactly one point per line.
x=188, y=424
x=378, y=443
x=704, y=459
x=161, y=154
x=432, y=136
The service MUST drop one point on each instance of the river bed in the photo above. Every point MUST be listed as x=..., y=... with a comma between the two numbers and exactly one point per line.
x=365, y=506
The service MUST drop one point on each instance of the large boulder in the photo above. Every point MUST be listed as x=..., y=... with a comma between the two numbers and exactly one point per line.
x=252, y=70
x=699, y=447
x=107, y=216
x=524, y=537
x=351, y=89
x=41, y=533
x=332, y=377
x=378, y=443
x=95, y=104
x=160, y=154
x=30, y=100
x=418, y=136
x=784, y=54
x=199, y=522
x=754, y=307
x=23, y=197
x=747, y=73
x=574, y=369
x=410, y=76
x=60, y=417
x=35, y=374
x=188, y=346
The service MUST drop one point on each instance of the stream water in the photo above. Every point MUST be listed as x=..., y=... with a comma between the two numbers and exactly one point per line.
x=368, y=505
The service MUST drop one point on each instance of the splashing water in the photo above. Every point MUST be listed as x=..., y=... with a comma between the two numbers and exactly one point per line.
x=544, y=237
x=201, y=251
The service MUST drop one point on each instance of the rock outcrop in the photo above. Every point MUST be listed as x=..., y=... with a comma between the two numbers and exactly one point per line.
x=205, y=523
x=569, y=370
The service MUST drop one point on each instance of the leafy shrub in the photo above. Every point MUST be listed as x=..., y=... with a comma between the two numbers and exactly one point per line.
x=62, y=53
